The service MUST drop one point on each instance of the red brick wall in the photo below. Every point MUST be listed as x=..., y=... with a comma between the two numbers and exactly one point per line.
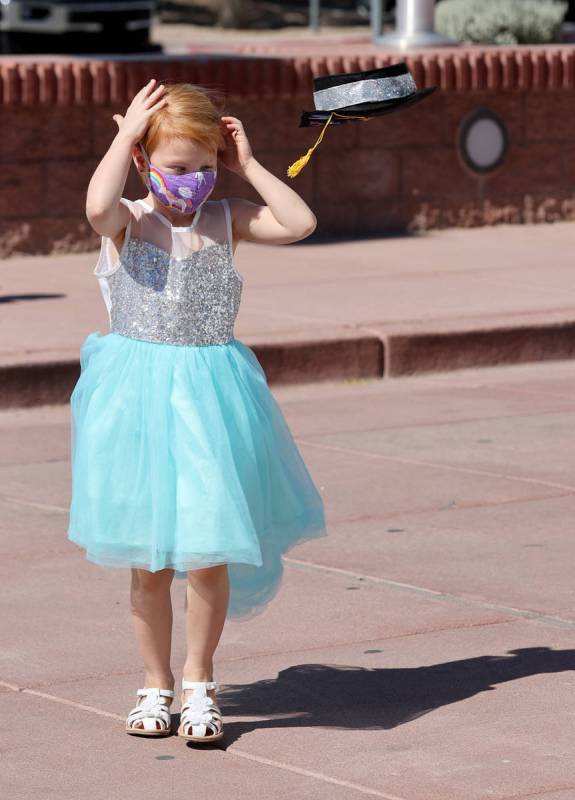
x=393, y=173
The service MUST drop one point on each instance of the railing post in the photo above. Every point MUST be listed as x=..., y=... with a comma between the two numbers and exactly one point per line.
x=313, y=16
x=376, y=17
x=415, y=25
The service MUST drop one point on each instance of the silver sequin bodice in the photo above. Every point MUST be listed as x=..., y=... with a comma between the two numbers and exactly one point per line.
x=157, y=297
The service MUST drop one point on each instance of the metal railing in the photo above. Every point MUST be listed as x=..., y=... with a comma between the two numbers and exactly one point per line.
x=415, y=24
x=314, y=7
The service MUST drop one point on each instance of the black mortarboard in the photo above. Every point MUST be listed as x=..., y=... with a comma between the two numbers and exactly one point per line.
x=351, y=96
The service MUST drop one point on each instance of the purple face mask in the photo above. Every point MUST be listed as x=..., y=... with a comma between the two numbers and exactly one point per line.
x=184, y=193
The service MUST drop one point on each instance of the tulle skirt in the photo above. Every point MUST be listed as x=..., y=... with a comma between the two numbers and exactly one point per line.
x=182, y=459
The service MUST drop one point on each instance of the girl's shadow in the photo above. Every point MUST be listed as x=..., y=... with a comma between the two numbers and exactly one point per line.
x=18, y=298
x=374, y=699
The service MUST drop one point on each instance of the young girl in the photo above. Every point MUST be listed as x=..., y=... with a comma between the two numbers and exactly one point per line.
x=182, y=462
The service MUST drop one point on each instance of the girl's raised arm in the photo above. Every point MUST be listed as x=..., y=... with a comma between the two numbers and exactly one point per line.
x=105, y=213
x=285, y=218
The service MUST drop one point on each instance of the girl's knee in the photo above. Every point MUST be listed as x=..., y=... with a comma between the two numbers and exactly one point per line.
x=143, y=581
x=208, y=574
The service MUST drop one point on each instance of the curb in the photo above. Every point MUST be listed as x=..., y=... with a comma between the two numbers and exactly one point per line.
x=37, y=384
x=52, y=382
x=363, y=356
x=410, y=354
x=322, y=359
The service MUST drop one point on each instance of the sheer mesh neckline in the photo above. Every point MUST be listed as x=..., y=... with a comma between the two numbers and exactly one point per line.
x=167, y=222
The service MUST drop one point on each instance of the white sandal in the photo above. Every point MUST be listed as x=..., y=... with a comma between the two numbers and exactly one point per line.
x=200, y=717
x=152, y=713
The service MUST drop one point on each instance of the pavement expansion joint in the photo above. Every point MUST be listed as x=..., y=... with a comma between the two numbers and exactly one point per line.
x=435, y=465
x=540, y=794
x=33, y=504
x=318, y=775
x=360, y=788
x=433, y=594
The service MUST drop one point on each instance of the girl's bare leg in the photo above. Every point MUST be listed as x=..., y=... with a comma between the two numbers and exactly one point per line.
x=207, y=597
x=151, y=603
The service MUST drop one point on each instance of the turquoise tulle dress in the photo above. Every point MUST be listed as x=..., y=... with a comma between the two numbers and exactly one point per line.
x=181, y=456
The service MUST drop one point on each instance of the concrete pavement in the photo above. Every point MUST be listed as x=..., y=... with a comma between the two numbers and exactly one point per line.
x=424, y=650
x=318, y=311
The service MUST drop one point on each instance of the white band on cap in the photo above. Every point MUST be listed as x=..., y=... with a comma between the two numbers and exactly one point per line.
x=373, y=90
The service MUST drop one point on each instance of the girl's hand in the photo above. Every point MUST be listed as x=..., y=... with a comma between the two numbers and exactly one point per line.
x=237, y=153
x=137, y=118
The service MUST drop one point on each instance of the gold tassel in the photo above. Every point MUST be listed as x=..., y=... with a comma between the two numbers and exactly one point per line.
x=295, y=168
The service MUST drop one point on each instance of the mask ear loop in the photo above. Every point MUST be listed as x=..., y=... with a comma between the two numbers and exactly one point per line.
x=141, y=146
x=147, y=160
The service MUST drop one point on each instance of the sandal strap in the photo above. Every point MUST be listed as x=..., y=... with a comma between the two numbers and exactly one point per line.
x=199, y=714
x=151, y=709
x=158, y=712
x=149, y=716
x=161, y=692
x=199, y=684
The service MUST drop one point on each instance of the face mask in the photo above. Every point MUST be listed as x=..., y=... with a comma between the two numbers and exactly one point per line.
x=184, y=193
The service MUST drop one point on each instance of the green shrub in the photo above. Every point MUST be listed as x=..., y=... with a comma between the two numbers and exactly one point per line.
x=500, y=21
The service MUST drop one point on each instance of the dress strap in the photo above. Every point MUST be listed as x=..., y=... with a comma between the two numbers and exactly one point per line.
x=104, y=265
x=128, y=231
x=228, y=214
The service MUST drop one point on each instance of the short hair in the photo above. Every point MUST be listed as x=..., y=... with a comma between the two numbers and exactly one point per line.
x=192, y=112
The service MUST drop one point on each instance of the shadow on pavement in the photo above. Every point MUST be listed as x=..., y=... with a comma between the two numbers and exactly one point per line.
x=17, y=298
x=319, y=695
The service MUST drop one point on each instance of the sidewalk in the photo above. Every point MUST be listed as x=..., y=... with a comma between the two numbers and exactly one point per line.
x=424, y=650
x=392, y=306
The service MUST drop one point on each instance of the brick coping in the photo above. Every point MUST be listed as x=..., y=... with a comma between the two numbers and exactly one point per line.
x=252, y=72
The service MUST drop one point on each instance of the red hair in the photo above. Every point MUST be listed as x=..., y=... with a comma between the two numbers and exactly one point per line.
x=192, y=112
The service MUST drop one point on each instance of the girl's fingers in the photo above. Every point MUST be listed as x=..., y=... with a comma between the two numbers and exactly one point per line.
x=227, y=121
x=159, y=88
x=160, y=104
x=145, y=89
x=140, y=96
x=155, y=94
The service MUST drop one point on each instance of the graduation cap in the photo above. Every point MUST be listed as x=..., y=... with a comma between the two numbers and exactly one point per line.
x=351, y=96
